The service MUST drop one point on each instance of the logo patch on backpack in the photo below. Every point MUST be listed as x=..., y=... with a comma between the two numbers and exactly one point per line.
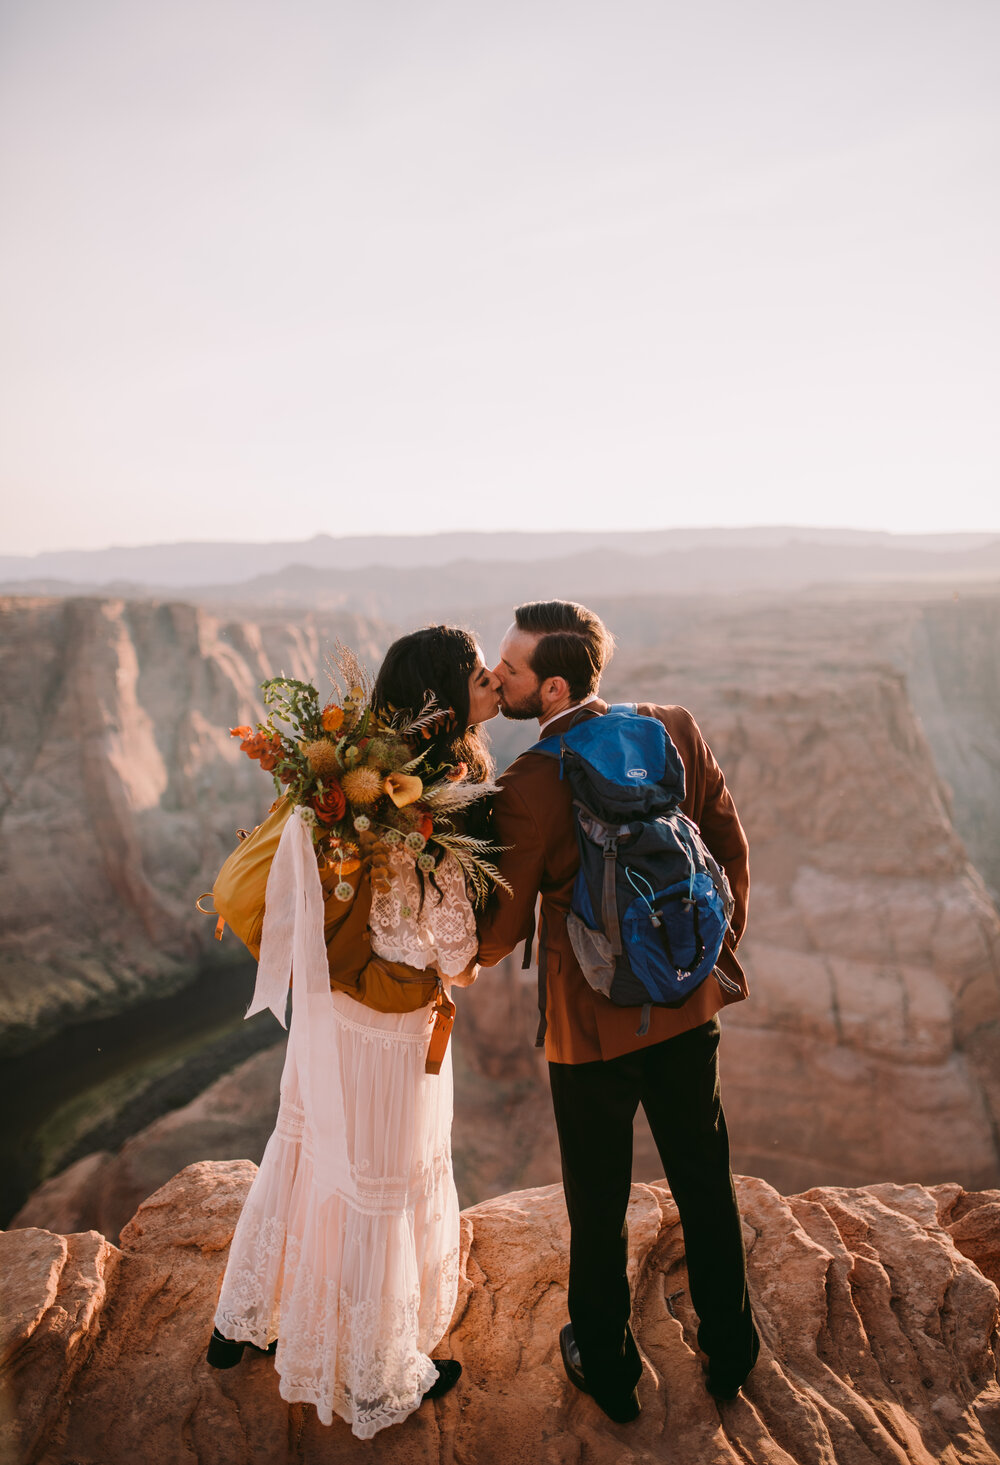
x=650, y=904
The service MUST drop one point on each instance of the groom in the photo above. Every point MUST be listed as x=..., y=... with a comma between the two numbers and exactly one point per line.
x=600, y=1069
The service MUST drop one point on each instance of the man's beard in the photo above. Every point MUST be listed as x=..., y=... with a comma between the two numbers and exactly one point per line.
x=523, y=711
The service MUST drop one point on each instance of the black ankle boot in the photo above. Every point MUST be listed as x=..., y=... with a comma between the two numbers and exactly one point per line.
x=224, y=1353
x=449, y=1373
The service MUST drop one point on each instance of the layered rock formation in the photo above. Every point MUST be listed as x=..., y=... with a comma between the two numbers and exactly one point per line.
x=121, y=790
x=870, y=1049
x=877, y=1316
x=952, y=666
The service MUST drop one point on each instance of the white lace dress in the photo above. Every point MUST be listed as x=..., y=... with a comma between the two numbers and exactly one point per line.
x=356, y=1271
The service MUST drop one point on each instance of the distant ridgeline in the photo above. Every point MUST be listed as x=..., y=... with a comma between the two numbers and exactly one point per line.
x=473, y=570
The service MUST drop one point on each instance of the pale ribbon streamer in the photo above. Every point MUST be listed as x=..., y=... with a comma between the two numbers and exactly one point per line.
x=292, y=945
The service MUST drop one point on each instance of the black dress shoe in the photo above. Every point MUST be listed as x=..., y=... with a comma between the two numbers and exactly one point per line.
x=223, y=1352
x=449, y=1373
x=622, y=1408
x=722, y=1389
x=723, y=1384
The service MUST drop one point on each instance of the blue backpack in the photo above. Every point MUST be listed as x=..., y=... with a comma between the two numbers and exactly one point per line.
x=650, y=905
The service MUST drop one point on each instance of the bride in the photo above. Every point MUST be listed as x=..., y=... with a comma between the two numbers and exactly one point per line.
x=344, y=1262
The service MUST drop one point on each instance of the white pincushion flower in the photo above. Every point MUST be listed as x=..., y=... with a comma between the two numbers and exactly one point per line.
x=414, y=841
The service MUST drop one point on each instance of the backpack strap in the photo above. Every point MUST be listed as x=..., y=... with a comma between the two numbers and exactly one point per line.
x=632, y=707
x=609, y=904
x=543, y=1021
x=552, y=748
x=552, y=745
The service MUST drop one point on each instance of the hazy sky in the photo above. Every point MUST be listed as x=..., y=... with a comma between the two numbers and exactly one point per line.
x=270, y=269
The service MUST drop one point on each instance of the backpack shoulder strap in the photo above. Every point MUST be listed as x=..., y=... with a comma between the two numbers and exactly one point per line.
x=632, y=707
x=551, y=746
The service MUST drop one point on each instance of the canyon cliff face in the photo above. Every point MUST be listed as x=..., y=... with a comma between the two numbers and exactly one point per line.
x=877, y=1310
x=870, y=1047
x=122, y=790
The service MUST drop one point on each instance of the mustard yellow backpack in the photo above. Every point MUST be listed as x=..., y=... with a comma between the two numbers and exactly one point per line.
x=238, y=892
x=241, y=885
x=387, y=986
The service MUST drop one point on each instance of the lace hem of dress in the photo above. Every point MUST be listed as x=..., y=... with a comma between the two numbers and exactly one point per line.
x=366, y=1420
x=358, y=1358
x=365, y=1415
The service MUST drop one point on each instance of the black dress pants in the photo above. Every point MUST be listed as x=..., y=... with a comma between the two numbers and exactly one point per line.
x=677, y=1084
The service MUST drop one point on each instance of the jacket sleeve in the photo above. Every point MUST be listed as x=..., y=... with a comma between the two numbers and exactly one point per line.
x=508, y=919
x=710, y=805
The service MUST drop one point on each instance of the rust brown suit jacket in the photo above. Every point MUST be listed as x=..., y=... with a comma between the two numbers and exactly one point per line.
x=534, y=816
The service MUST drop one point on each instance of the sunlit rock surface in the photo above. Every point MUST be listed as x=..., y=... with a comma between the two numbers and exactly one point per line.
x=878, y=1320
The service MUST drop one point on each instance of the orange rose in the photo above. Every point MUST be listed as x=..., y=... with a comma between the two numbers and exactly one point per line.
x=425, y=826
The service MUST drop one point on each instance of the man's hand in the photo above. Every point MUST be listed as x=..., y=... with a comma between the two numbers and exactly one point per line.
x=467, y=977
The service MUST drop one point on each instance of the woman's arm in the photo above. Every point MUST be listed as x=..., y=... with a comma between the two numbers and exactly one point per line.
x=467, y=977
x=453, y=924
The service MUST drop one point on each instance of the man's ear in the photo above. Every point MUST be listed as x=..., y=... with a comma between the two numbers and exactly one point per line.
x=554, y=689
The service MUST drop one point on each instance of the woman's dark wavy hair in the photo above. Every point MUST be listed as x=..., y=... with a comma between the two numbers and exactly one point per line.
x=440, y=659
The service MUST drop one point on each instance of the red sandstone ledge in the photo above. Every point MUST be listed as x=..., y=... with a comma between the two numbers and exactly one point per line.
x=878, y=1310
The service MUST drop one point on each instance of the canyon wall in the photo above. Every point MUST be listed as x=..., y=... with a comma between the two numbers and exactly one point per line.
x=121, y=791
x=870, y=1048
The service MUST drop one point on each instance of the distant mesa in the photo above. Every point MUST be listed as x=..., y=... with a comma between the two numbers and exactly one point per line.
x=706, y=558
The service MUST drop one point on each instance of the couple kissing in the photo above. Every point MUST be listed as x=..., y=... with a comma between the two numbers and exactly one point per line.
x=345, y=1260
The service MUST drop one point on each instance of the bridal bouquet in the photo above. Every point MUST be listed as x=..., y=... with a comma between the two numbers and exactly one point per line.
x=356, y=776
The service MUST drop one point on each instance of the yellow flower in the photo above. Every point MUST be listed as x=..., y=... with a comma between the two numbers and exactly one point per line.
x=333, y=716
x=322, y=757
x=403, y=788
x=362, y=785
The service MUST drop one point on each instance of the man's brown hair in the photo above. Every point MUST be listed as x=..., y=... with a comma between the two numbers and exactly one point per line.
x=573, y=643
